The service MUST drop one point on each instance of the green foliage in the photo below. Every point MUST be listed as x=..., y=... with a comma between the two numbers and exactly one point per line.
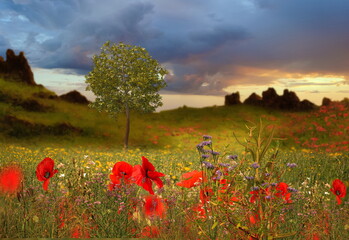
x=125, y=76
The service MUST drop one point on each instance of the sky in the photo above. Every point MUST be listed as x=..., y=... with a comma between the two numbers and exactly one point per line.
x=211, y=48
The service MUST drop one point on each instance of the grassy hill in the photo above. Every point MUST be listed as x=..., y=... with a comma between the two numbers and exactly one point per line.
x=33, y=115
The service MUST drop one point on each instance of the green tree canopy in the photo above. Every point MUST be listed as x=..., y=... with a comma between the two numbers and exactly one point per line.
x=124, y=78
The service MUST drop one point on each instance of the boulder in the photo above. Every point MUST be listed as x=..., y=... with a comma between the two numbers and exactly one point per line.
x=270, y=98
x=306, y=105
x=326, y=101
x=289, y=101
x=232, y=99
x=254, y=99
x=74, y=97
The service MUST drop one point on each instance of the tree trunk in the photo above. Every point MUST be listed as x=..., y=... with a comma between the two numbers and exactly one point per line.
x=127, y=131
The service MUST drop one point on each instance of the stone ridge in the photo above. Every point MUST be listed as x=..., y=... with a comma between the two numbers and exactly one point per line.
x=287, y=101
x=16, y=68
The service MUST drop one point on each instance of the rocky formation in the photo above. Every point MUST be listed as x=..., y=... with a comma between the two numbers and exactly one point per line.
x=232, y=99
x=16, y=68
x=287, y=101
x=326, y=101
x=74, y=97
x=254, y=99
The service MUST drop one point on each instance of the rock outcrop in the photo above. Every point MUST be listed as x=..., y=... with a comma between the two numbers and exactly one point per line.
x=16, y=68
x=74, y=97
x=270, y=99
x=232, y=99
x=254, y=99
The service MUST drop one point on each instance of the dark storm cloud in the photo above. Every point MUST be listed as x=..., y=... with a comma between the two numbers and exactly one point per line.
x=206, y=45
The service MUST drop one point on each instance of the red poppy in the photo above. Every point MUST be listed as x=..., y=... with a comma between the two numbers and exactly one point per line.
x=145, y=174
x=150, y=232
x=205, y=194
x=10, y=179
x=45, y=171
x=338, y=189
x=254, y=218
x=79, y=232
x=200, y=210
x=154, y=206
x=122, y=172
x=282, y=190
x=192, y=179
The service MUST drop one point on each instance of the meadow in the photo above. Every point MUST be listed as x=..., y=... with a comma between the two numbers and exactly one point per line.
x=238, y=172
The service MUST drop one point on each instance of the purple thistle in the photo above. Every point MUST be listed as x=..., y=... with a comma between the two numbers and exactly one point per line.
x=214, y=153
x=218, y=175
x=206, y=137
x=224, y=164
x=206, y=143
x=291, y=165
x=255, y=165
x=208, y=165
x=291, y=189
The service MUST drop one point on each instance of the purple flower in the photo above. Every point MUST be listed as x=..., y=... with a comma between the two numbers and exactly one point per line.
x=292, y=189
x=232, y=167
x=218, y=175
x=267, y=174
x=224, y=164
x=214, y=153
x=255, y=165
x=249, y=177
x=291, y=165
x=255, y=188
x=206, y=137
x=208, y=165
x=205, y=156
x=206, y=143
x=232, y=157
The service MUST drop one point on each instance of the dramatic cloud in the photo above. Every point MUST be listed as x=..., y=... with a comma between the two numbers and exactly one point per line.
x=208, y=46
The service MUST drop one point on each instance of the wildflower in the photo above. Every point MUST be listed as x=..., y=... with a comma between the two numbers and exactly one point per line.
x=208, y=165
x=206, y=137
x=45, y=171
x=338, y=189
x=150, y=232
x=144, y=175
x=206, y=143
x=282, y=190
x=214, y=153
x=291, y=165
x=224, y=164
x=255, y=165
x=232, y=157
x=249, y=178
x=121, y=171
x=191, y=179
x=232, y=167
x=218, y=175
x=205, y=194
x=154, y=206
x=204, y=156
x=292, y=189
x=10, y=179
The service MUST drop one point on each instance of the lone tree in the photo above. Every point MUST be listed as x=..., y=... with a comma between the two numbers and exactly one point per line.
x=124, y=78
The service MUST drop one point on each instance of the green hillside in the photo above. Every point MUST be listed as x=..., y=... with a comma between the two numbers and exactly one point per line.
x=34, y=115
